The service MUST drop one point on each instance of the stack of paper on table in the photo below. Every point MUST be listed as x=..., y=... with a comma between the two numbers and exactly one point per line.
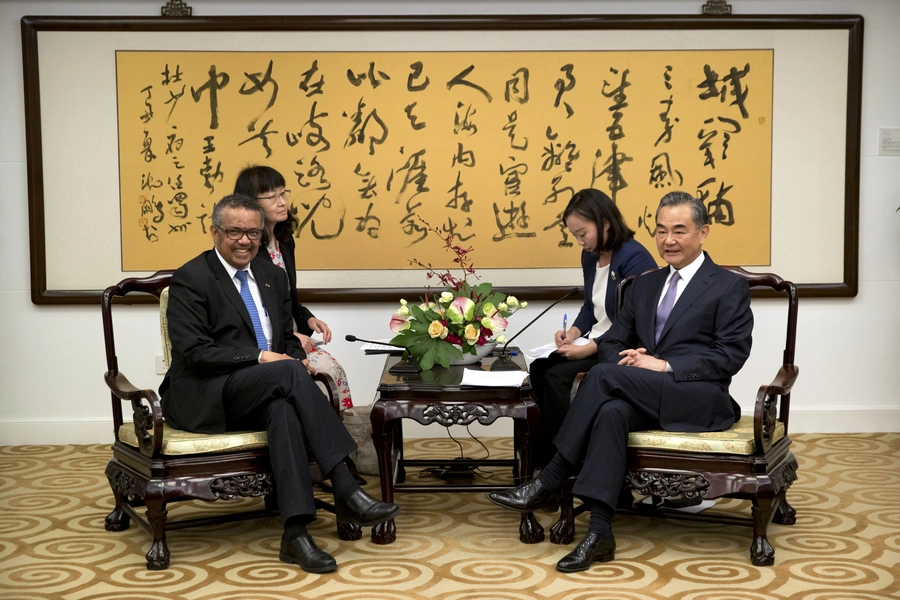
x=493, y=378
x=548, y=349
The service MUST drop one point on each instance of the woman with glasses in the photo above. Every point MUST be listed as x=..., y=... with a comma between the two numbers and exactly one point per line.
x=277, y=244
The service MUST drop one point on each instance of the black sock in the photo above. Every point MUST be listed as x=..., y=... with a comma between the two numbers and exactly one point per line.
x=556, y=471
x=342, y=481
x=295, y=526
x=601, y=518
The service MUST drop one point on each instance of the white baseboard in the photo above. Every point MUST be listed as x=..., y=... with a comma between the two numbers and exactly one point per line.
x=845, y=419
x=43, y=433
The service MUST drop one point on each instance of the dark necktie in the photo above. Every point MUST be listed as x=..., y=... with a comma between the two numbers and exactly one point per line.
x=665, y=307
x=247, y=297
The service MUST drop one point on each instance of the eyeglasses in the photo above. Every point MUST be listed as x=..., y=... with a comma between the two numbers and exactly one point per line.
x=282, y=194
x=236, y=234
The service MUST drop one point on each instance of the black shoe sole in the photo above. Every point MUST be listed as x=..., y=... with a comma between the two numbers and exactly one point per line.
x=349, y=519
x=290, y=559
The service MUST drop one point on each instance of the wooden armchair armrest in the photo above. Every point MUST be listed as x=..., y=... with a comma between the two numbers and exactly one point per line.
x=147, y=416
x=783, y=381
x=765, y=413
x=575, y=385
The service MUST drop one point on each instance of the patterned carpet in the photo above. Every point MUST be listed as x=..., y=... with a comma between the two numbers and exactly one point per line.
x=845, y=544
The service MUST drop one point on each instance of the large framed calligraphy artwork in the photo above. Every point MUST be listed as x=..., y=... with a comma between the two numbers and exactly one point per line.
x=482, y=127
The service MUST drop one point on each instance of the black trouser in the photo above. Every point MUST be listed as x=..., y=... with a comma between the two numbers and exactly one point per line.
x=551, y=380
x=282, y=398
x=611, y=402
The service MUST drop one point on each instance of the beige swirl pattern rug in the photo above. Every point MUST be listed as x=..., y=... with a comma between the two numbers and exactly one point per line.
x=456, y=546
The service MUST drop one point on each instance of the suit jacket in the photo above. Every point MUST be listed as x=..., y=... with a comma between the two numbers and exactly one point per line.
x=630, y=259
x=706, y=340
x=212, y=336
x=300, y=313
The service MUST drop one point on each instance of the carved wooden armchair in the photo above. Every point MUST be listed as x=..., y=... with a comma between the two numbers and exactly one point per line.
x=750, y=461
x=154, y=464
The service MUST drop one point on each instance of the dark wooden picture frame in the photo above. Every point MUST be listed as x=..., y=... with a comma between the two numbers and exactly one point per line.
x=32, y=26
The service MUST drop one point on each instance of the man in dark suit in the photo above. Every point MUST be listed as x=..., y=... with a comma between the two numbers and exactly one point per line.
x=236, y=365
x=667, y=362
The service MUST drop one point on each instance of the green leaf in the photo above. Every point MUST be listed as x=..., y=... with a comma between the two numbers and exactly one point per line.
x=442, y=354
x=496, y=298
x=427, y=360
x=482, y=289
x=418, y=313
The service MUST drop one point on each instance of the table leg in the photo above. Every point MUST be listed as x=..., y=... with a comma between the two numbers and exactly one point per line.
x=530, y=531
x=382, y=437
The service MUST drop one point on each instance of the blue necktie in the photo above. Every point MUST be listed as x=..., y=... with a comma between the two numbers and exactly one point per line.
x=665, y=307
x=251, y=308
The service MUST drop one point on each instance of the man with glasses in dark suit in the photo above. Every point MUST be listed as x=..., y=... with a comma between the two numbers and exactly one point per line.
x=236, y=365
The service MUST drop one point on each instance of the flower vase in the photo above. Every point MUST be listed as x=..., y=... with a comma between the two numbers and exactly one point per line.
x=471, y=359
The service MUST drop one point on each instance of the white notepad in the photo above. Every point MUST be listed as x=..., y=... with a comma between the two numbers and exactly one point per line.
x=493, y=378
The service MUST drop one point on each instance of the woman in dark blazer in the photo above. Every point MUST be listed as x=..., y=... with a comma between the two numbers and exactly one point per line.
x=609, y=253
x=278, y=245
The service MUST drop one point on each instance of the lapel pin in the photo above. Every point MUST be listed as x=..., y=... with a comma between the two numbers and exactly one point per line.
x=267, y=285
x=613, y=274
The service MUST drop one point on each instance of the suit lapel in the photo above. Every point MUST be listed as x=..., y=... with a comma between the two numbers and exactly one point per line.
x=700, y=283
x=226, y=284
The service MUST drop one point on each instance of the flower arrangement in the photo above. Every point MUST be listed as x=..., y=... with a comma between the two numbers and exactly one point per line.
x=459, y=319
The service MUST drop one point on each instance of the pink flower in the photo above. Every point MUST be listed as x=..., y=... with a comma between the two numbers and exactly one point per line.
x=398, y=323
x=498, y=323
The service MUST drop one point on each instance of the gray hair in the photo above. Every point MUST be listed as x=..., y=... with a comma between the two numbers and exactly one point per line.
x=237, y=201
x=699, y=214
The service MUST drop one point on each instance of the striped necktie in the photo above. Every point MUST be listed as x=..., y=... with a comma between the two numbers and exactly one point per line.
x=251, y=308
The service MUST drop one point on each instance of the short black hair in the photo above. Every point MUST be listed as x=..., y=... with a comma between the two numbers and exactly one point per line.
x=259, y=179
x=593, y=205
x=237, y=201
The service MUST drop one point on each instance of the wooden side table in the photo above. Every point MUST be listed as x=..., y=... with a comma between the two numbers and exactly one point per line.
x=436, y=397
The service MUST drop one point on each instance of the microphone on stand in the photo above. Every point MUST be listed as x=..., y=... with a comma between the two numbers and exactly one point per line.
x=503, y=362
x=406, y=364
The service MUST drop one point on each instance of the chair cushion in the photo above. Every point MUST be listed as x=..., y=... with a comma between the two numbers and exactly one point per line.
x=736, y=440
x=176, y=441
x=164, y=327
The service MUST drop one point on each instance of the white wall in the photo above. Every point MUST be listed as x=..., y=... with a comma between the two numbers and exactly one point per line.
x=51, y=386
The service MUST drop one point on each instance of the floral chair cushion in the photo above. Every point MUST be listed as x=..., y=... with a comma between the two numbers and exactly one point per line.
x=737, y=440
x=176, y=441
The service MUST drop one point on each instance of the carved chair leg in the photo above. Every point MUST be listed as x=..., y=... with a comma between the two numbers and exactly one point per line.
x=784, y=513
x=348, y=532
x=158, y=556
x=118, y=519
x=563, y=531
x=384, y=533
x=761, y=552
x=530, y=531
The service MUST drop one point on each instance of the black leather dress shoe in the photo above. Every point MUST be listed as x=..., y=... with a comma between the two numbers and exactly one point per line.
x=591, y=549
x=364, y=510
x=527, y=497
x=302, y=550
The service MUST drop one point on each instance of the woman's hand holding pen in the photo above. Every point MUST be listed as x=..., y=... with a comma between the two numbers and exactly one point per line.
x=563, y=337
